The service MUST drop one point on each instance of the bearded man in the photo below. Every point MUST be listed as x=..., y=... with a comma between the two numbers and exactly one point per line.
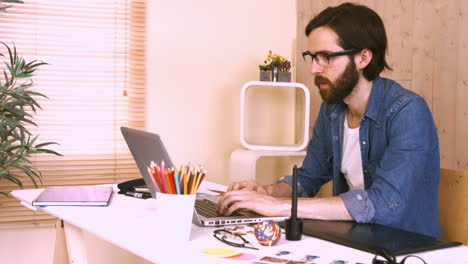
x=376, y=140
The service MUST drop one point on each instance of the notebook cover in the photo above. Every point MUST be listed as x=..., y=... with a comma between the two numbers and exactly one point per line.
x=74, y=196
x=373, y=238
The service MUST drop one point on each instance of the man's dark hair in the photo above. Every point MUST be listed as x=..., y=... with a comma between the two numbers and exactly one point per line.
x=357, y=27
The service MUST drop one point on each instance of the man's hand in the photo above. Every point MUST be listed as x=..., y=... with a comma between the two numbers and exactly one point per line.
x=248, y=199
x=248, y=185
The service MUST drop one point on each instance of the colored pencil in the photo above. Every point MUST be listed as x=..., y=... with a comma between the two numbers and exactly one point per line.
x=179, y=181
x=197, y=180
x=153, y=180
x=185, y=173
x=176, y=181
x=202, y=176
x=186, y=180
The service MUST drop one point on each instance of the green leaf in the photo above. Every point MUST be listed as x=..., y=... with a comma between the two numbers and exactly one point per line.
x=6, y=77
x=46, y=144
x=37, y=151
x=37, y=94
x=12, y=1
x=13, y=180
x=3, y=8
x=11, y=55
x=20, y=76
x=9, y=68
x=34, y=64
x=31, y=142
x=33, y=175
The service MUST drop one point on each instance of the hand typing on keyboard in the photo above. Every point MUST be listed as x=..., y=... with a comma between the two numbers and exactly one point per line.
x=248, y=185
x=208, y=208
x=258, y=202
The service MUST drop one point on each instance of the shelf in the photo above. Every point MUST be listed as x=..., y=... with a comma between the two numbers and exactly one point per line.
x=305, y=135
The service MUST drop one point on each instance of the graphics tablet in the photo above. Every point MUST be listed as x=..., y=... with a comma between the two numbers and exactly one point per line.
x=373, y=238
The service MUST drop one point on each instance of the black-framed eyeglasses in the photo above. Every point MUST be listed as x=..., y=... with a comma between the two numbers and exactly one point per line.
x=322, y=58
x=232, y=239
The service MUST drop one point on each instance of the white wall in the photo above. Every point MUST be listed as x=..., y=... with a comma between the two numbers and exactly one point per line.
x=21, y=245
x=200, y=53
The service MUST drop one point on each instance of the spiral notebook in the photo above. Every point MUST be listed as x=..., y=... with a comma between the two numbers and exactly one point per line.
x=74, y=196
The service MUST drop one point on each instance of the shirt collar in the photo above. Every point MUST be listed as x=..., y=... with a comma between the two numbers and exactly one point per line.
x=373, y=106
x=375, y=99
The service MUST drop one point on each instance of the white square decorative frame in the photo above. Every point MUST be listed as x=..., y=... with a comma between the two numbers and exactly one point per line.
x=305, y=137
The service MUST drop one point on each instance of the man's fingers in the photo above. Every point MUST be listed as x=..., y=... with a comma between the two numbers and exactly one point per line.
x=234, y=207
x=249, y=185
x=224, y=201
x=260, y=189
x=227, y=200
x=235, y=186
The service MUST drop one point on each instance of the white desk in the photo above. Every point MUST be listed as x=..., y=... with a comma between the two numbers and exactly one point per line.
x=131, y=224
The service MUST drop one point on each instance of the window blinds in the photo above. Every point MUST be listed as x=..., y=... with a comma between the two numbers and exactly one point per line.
x=95, y=52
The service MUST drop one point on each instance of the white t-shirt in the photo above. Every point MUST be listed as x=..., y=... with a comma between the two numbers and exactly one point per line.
x=351, y=163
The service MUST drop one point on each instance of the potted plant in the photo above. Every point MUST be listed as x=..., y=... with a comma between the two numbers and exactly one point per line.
x=273, y=67
x=284, y=74
x=17, y=107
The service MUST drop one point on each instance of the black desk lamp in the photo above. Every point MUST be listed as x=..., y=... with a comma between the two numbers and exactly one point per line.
x=294, y=225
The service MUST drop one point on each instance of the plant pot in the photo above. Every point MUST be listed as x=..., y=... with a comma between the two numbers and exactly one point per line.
x=265, y=76
x=284, y=76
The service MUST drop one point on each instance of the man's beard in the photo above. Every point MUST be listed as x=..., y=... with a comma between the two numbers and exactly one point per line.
x=342, y=87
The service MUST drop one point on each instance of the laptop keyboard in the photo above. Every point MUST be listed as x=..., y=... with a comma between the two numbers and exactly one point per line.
x=208, y=208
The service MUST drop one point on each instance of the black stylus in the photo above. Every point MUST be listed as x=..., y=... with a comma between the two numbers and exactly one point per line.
x=294, y=196
x=294, y=225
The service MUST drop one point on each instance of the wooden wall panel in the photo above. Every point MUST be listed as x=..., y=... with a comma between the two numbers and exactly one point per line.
x=428, y=52
x=397, y=15
x=461, y=120
x=445, y=77
x=307, y=10
x=423, y=49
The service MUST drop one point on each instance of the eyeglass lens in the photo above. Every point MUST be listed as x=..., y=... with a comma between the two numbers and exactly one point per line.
x=231, y=238
x=320, y=58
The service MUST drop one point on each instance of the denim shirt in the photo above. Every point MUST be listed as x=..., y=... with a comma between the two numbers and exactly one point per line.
x=400, y=160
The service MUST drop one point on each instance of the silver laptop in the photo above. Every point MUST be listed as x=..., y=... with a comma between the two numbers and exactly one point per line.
x=146, y=147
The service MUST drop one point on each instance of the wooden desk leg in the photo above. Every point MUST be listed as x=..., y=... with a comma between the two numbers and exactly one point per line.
x=75, y=244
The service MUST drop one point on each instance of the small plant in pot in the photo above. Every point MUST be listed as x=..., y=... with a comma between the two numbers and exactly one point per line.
x=284, y=74
x=273, y=66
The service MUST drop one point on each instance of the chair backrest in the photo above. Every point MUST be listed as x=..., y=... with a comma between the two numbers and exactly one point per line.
x=453, y=205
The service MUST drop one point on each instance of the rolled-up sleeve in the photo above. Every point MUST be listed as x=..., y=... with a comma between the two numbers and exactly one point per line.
x=359, y=205
x=289, y=180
